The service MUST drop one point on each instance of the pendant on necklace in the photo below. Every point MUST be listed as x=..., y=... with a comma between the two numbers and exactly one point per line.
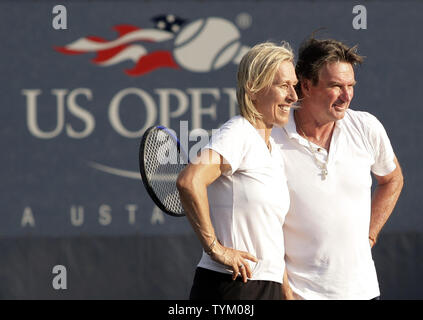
x=323, y=173
x=323, y=168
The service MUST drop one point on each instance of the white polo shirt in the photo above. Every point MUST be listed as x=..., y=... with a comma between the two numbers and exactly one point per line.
x=328, y=255
x=248, y=204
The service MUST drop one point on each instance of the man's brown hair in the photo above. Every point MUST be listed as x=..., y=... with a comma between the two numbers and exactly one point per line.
x=314, y=54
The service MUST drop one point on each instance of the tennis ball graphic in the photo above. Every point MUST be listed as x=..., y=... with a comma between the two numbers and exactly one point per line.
x=206, y=44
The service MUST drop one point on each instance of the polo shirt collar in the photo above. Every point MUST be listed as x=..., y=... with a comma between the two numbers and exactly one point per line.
x=291, y=128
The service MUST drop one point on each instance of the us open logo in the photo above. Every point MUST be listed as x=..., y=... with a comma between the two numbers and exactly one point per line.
x=171, y=45
x=202, y=45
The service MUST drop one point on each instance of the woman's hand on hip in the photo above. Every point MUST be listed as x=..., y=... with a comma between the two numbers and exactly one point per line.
x=234, y=259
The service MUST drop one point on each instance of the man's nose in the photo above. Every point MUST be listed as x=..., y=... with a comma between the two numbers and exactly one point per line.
x=347, y=94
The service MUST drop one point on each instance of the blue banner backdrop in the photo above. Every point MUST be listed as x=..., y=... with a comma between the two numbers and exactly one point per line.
x=82, y=82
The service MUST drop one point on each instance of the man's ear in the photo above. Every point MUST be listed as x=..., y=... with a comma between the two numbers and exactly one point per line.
x=305, y=87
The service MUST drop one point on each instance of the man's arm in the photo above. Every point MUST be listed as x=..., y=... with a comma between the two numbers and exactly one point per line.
x=384, y=200
x=287, y=293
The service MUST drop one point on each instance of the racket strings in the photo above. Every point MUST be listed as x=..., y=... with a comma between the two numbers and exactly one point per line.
x=162, y=166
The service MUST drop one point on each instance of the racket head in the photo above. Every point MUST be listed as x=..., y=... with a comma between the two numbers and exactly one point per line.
x=161, y=158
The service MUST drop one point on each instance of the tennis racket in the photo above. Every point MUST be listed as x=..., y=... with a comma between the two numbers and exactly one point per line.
x=161, y=158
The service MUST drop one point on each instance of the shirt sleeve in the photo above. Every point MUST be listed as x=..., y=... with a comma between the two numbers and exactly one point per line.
x=380, y=145
x=229, y=141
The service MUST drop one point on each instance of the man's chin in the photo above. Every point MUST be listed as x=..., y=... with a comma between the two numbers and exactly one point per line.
x=339, y=113
x=340, y=108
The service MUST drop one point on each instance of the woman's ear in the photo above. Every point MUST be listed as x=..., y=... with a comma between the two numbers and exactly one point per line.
x=251, y=95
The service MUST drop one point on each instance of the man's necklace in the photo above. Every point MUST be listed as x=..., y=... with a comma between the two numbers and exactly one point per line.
x=323, y=166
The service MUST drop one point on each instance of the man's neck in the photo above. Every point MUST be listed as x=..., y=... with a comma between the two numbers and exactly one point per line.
x=318, y=132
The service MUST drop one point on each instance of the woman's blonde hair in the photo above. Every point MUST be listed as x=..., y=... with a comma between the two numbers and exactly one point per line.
x=256, y=71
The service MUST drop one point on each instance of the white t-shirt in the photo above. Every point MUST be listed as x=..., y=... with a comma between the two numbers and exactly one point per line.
x=328, y=255
x=248, y=205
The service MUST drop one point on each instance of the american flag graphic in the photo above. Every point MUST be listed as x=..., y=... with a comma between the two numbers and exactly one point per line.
x=131, y=45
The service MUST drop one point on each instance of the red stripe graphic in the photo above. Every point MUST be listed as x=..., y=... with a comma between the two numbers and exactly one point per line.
x=123, y=29
x=105, y=55
x=125, y=47
x=153, y=61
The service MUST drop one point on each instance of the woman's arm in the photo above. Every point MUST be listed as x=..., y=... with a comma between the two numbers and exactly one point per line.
x=192, y=185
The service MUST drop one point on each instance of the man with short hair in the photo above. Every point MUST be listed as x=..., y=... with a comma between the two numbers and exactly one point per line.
x=329, y=151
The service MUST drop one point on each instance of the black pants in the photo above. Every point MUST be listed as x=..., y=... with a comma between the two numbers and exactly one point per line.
x=211, y=285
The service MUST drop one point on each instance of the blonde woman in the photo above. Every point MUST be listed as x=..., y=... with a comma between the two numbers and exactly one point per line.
x=235, y=193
